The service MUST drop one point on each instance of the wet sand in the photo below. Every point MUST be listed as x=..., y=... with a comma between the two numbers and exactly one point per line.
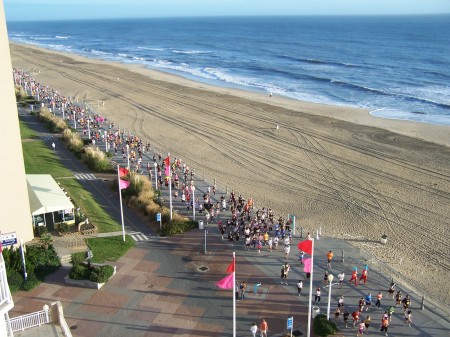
x=338, y=168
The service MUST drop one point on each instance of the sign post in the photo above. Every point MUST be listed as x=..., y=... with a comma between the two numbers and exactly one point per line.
x=158, y=218
x=290, y=323
x=8, y=239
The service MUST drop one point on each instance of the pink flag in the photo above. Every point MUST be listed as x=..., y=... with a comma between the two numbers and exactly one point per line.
x=307, y=265
x=123, y=184
x=226, y=283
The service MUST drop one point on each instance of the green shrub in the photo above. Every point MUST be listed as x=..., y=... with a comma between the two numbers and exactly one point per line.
x=101, y=274
x=323, y=327
x=63, y=227
x=54, y=124
x=178, y=227
x=42, y=261
x=39, y=230
x=15, y=280
x=31, y=282
x=80, y=272
x=78, y=258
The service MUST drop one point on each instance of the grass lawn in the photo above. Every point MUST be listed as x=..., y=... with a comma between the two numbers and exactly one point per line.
x=39, y=159
x=94, y=212
x=109, y=248
x=26, y=132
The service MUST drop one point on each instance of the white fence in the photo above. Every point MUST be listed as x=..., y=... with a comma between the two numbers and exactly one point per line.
x=28, y=321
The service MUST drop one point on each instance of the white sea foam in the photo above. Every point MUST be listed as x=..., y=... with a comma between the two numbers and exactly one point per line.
x=416, y=117
x=62, y=37
x=150, y=48
x=178, y=51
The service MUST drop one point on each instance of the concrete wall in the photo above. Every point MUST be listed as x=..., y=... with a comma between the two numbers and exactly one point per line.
x=15, y=215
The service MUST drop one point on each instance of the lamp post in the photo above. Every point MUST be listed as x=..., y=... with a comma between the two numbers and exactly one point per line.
x=330, y=282
x=128, y=157
x=193, y=200
x=156, y=176
x=89, y=128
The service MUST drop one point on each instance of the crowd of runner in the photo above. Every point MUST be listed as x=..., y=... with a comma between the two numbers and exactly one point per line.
x=258, y=227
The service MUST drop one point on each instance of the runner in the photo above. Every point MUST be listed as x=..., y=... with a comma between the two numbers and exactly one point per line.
x=329, y=258
x=379, y=298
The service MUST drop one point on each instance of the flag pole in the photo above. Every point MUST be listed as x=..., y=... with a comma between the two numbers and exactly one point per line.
x=121, y=207
x=170, y=187
x=234, y=294
x=310, y=289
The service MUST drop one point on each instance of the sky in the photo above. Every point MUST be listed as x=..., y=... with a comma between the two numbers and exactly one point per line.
x=26, y=10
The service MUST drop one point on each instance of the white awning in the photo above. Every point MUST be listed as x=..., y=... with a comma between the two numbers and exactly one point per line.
x=45, y=195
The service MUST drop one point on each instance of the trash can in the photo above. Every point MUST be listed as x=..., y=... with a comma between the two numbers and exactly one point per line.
x=315, y=311
x=200, y=224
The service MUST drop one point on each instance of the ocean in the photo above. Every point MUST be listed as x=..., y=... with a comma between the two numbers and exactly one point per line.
x=398, y=67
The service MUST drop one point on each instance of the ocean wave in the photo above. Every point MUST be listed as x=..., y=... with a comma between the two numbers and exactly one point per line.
x=416, y=116
x=97, y=52
x=61, y=37
x=151, y=48
x=320, y=62
x=178, y=51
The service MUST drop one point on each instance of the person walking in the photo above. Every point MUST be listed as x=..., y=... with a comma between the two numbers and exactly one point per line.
x=254, y=329
x=346, y=315
x=391, y=290
x=384, y=325
x=406, y=302
x=317, y=295
x=341, y=278
x=54, y=146
x=367, y=323
x=242, y=289
x=408, y=318
x=299, y=287
x=264, y=328
x=379, y=298
x=361, y=328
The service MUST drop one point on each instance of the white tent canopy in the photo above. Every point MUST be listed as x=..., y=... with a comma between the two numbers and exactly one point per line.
x=45, y=195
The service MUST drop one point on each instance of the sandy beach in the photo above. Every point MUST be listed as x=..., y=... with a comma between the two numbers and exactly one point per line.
x=354, y=175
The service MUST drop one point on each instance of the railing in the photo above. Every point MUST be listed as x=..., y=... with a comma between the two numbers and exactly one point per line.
x=30, y=320
x=5, y=295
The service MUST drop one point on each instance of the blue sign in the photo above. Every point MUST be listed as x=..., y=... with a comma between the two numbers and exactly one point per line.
x=8, y=239
x=158, y=216
x=290, y=322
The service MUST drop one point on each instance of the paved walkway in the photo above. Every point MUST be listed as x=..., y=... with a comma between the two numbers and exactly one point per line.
x=159, y=289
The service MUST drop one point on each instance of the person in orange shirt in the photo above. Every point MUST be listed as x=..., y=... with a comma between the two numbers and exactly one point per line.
x=264, y=327
x=329, y=258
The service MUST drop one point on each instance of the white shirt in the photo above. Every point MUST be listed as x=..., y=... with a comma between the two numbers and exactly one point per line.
x=254, y=329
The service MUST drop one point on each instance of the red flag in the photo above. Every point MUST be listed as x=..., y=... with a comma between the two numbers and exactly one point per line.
x=123, y=184
x=306, y=246
x=226, y=282
x=167, y=166
x=123, y=171
x=231, y=267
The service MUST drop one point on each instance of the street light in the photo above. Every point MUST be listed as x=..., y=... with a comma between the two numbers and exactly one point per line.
x=193, y=200
x=128, y=157
x=156, y=174
x=330, y=282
